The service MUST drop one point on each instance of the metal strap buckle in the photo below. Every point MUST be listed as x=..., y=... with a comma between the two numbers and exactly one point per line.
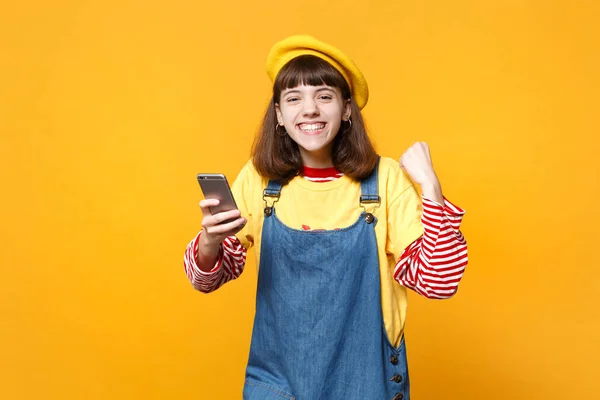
x=366, y=200
x=267, y=193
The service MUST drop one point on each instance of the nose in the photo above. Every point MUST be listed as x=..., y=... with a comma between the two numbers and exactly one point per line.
x=310, y=108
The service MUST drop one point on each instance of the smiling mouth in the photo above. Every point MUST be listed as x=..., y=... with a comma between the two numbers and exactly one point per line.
x=311, y=128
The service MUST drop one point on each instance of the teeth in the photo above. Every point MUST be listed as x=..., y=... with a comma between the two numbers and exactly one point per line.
x=311, y=127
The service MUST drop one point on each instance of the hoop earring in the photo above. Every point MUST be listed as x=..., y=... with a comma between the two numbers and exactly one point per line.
x=349, y=126
x=278, y=132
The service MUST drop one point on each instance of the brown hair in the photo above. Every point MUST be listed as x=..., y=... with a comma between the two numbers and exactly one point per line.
x=277, y=156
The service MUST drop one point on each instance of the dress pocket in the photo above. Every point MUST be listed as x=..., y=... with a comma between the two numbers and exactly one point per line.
x=254, y=390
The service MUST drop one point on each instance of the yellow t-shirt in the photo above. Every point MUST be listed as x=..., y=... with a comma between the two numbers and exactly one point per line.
x=335, y=204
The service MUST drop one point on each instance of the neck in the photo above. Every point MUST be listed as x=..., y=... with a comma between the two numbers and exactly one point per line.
x=320, y=159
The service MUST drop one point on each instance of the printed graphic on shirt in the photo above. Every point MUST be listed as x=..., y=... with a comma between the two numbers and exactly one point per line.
x=307, y=228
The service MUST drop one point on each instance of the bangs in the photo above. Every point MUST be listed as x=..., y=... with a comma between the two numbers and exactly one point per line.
x=310, y=71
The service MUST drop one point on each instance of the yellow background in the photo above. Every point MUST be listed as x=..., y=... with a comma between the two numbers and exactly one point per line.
x=109, y=108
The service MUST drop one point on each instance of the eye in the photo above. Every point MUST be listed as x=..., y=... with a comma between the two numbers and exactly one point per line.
x=292, y=99
x=326, y=97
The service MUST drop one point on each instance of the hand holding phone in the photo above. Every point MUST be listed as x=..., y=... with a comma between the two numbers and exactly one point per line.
x=221, y=216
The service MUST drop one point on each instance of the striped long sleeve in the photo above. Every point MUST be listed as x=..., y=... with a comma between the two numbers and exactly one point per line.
x=434, y=264
x=229, y=265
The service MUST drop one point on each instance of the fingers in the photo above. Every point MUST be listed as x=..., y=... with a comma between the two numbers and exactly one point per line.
x=218, y=232
x=418, y=149
x=219, y=218
x=222, y=224
x=206, y=204
x=232, y=227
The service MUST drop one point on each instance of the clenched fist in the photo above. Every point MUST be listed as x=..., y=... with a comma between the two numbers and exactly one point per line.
x=416, y=161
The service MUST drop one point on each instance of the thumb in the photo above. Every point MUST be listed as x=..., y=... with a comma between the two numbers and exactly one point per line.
x=401, y=161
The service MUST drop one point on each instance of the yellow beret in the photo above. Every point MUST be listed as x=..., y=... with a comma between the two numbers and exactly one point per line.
x=294, y=46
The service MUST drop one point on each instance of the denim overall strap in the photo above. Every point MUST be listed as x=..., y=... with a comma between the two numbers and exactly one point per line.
x=318, y=330
x=273, y=188
x=370, y=187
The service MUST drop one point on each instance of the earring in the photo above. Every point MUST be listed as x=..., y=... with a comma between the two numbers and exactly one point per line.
x=349, y=126
x=277, y=131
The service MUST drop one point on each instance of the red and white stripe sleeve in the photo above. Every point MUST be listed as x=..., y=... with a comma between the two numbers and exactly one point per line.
x=229, y=265
x=434, y=264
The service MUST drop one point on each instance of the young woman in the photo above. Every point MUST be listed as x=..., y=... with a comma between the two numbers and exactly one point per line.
x=339, y=235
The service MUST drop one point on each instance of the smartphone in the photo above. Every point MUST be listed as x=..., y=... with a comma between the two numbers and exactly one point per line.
x=215, y=186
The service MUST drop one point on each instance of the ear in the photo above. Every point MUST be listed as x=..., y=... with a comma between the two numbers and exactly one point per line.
x=347, y=110
x=278, y=112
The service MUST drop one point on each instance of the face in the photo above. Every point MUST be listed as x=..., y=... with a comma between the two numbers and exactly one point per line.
x=312, y=116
